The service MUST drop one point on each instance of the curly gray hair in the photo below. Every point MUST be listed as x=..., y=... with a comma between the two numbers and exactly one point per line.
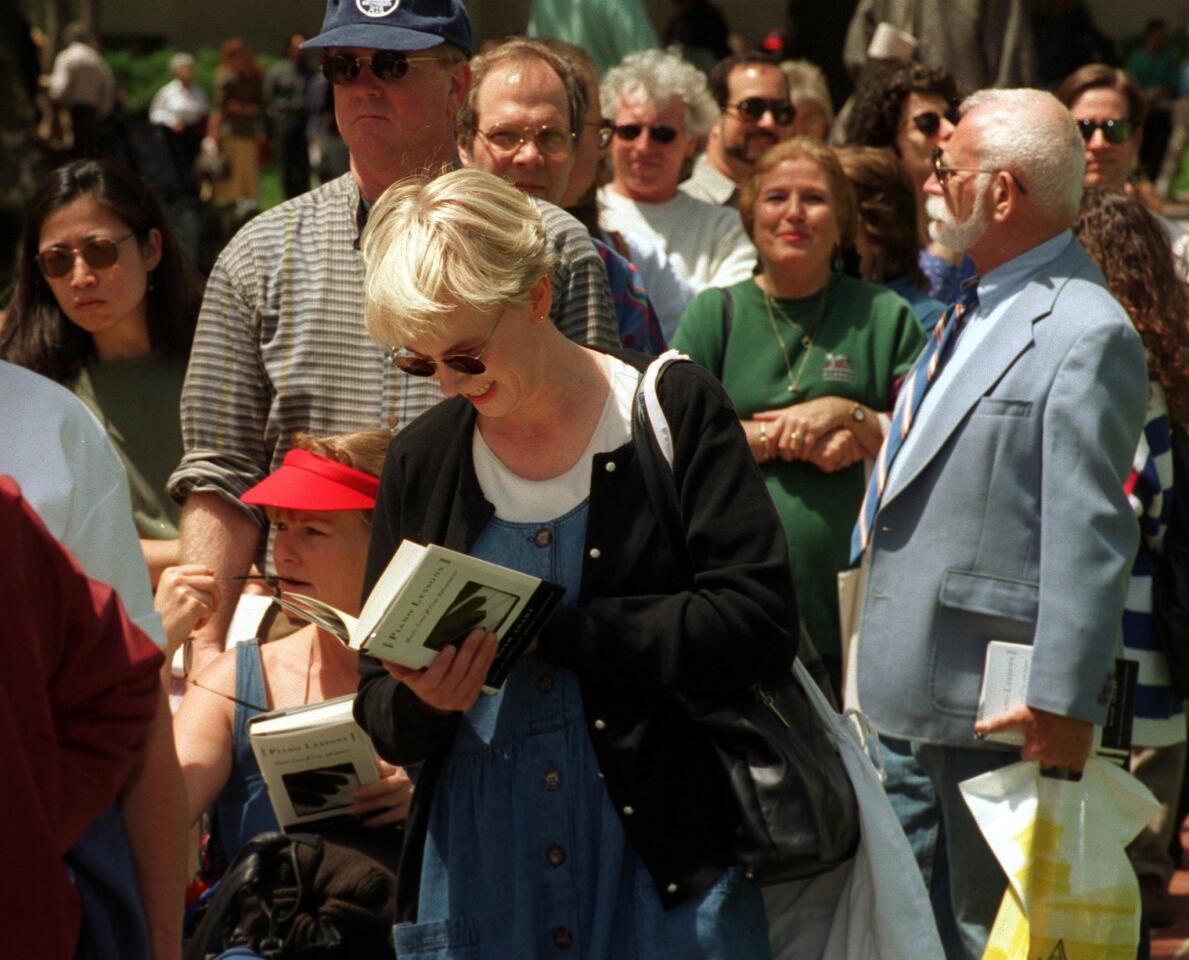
x=661, y=77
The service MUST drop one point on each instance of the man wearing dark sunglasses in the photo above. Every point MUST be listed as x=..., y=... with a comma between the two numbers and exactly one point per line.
x=281, y=345
x=661, y=106
x=757, y=113
x=1110, y=109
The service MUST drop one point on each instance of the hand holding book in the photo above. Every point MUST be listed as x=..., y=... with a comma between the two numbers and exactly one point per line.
x=387, y=800
x=456, y=675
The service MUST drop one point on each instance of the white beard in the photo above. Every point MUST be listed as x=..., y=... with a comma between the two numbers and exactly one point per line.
x=958, y=235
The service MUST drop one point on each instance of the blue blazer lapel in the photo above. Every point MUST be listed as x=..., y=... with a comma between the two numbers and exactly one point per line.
x=995, y=355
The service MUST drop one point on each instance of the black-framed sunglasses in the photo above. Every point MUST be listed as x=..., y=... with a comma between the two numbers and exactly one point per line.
x=341, y=68
x=754, y=108
x=661, y=133
x=929, y=121
x=99, y=253
x=550, y=141
x=466, y=363
x=1113, y=131
x=943, y=171
x=605, y=128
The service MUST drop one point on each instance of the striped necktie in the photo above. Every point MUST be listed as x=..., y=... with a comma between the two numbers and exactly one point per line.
x=938, y=350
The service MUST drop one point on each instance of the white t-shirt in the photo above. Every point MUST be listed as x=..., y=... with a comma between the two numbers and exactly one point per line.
x=68, y=471
x=704, y=244
x=518, y=500
x=175, y=103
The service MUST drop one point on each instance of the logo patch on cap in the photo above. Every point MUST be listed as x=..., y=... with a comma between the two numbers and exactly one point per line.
x=376, y=8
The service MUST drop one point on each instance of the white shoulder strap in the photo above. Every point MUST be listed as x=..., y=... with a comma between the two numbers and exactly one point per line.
x=652, y=402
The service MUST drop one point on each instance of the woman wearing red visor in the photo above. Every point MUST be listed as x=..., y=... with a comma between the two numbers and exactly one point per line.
x=320, y=502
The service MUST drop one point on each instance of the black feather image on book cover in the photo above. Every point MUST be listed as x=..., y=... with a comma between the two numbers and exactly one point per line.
x=320, y=789
x=475, y=606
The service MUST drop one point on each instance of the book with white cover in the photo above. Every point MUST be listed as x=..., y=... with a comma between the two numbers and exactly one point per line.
x=1005, y=685
x=430, y=597
x=1005, y=688
x=312, y=758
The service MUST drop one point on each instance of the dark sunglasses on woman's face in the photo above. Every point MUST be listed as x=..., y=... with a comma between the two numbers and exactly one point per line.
x=754, y=108
x=341, y=68
x=98, y=254
x=929, y=122
x=658, y=132
x=467, y=363
x=1113, y=131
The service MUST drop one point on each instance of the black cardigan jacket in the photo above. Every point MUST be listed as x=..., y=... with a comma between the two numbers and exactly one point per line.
x=646, y=647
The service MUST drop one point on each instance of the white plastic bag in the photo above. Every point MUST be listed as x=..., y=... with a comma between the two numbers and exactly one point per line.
x=873, y=908
x=1071, y=890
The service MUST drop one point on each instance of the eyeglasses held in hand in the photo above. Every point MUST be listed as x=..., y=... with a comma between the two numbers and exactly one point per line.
x=605, y=127
x=469, y=364
x=658, y=132
x=1113, y=131
x=549, y=141
x=929, y=122
x=754, y=108
x=943, y=172
x=187, y=669
x=341, y=68
x=99, y=253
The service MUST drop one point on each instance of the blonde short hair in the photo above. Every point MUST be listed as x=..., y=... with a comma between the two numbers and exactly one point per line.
x=467, y=238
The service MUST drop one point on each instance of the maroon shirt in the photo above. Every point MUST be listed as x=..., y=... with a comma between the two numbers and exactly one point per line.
x=79, y=684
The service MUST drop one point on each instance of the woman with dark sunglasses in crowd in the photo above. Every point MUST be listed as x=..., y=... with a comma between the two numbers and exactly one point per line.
x=105, y=304
x=320, y=502
x=909, y=108
x=577, y=809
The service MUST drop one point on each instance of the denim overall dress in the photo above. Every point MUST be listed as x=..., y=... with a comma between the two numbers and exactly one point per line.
x=525, y=855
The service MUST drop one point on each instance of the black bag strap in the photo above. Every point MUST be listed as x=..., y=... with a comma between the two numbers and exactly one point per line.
x=659, y=480
x=661, y=485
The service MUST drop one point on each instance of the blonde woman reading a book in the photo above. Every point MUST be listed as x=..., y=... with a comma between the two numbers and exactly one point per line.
x=573, y=809
x=320, y=501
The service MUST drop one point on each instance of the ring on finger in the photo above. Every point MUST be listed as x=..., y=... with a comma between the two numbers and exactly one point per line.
x=797, y=436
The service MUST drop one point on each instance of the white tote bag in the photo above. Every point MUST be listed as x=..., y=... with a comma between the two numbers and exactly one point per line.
x=873, y=908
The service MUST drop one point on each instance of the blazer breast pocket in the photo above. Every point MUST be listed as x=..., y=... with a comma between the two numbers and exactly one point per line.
x=1003, y=407
x=973, y=610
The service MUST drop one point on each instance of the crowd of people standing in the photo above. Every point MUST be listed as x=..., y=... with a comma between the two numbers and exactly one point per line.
x=950, y=352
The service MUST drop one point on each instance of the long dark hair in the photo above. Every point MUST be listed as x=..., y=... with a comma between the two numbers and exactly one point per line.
x=887, y=206
x=1132, y=250
x=37, y=334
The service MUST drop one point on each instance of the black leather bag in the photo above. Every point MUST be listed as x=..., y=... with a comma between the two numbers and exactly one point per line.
x=1170, y=573
x=797, y=811
x=303, y=896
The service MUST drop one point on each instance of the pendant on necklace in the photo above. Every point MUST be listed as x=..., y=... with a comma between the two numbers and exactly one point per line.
x=794, y=392
x=806, y=343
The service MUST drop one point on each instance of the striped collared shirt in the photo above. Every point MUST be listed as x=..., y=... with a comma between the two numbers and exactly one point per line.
x=281, y=344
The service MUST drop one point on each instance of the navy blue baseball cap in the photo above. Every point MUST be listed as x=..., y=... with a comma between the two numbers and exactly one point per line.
x=394, y=25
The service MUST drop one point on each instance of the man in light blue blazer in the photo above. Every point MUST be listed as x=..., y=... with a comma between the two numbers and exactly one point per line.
x=1002, y=515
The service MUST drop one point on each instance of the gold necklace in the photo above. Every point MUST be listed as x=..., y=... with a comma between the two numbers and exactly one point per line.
x=806, y=338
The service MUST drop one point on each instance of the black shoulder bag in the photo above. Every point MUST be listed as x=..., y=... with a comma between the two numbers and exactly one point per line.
x=797, y=811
